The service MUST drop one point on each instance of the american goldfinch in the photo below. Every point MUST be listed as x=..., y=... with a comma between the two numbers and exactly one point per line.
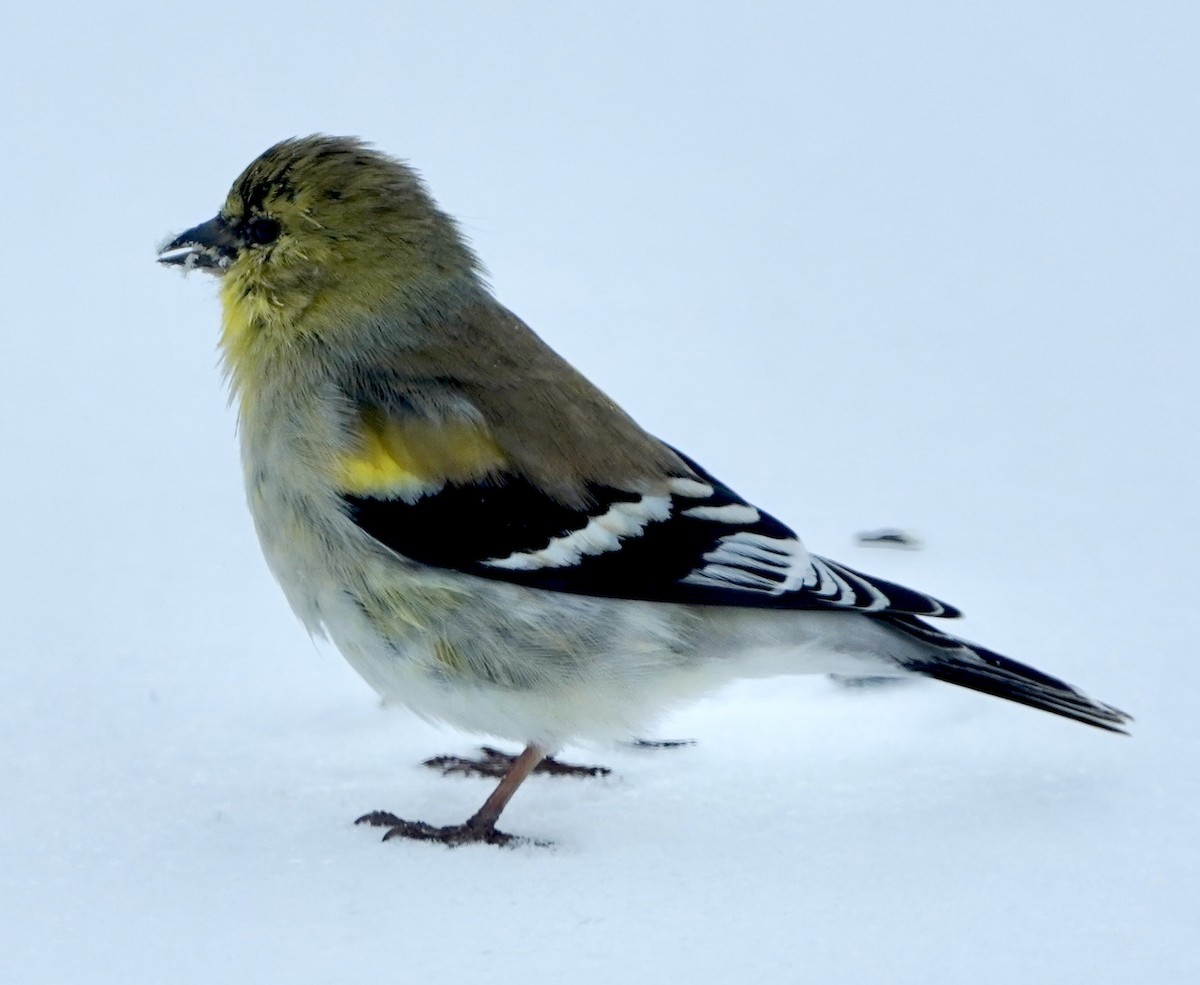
x=487, y=537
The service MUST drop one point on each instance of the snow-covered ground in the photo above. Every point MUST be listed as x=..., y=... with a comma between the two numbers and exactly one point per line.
x=930, y=265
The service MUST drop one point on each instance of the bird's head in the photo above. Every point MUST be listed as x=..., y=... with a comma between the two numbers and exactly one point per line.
x=321, y=230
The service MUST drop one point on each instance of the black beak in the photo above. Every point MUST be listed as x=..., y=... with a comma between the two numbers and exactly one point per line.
x=210, y=246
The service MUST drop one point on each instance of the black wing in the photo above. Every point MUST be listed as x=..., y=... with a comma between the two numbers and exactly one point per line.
x=697, y=543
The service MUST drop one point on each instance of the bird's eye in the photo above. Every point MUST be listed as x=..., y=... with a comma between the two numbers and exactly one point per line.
x=262, y=230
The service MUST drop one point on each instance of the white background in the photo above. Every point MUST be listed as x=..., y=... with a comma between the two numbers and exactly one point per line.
x=922, y=264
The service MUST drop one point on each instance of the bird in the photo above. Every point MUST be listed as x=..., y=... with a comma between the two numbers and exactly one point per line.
x=485, y=535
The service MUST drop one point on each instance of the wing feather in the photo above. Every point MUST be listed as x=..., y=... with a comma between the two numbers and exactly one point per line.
x=688, y=540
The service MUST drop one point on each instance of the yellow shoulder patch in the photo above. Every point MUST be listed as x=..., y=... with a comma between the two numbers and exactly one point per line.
x=393, y=457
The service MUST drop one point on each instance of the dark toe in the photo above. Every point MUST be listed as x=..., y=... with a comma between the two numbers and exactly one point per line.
x=493, y=763
x=451, y=835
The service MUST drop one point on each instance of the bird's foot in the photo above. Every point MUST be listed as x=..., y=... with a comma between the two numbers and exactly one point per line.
x=451, y=835
x=853, y=681
x=660, y=743
x=495, y=763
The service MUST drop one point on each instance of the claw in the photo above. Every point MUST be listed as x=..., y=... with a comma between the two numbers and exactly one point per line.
x=451, y=835
x=495, y=763
x=481, y=826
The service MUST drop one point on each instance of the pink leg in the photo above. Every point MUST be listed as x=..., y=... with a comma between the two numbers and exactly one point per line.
x=481, y=826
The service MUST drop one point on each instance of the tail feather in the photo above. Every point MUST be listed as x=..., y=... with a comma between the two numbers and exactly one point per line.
x=955, y=661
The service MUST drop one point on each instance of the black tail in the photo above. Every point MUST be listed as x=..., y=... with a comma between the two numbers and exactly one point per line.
x=957, y=662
